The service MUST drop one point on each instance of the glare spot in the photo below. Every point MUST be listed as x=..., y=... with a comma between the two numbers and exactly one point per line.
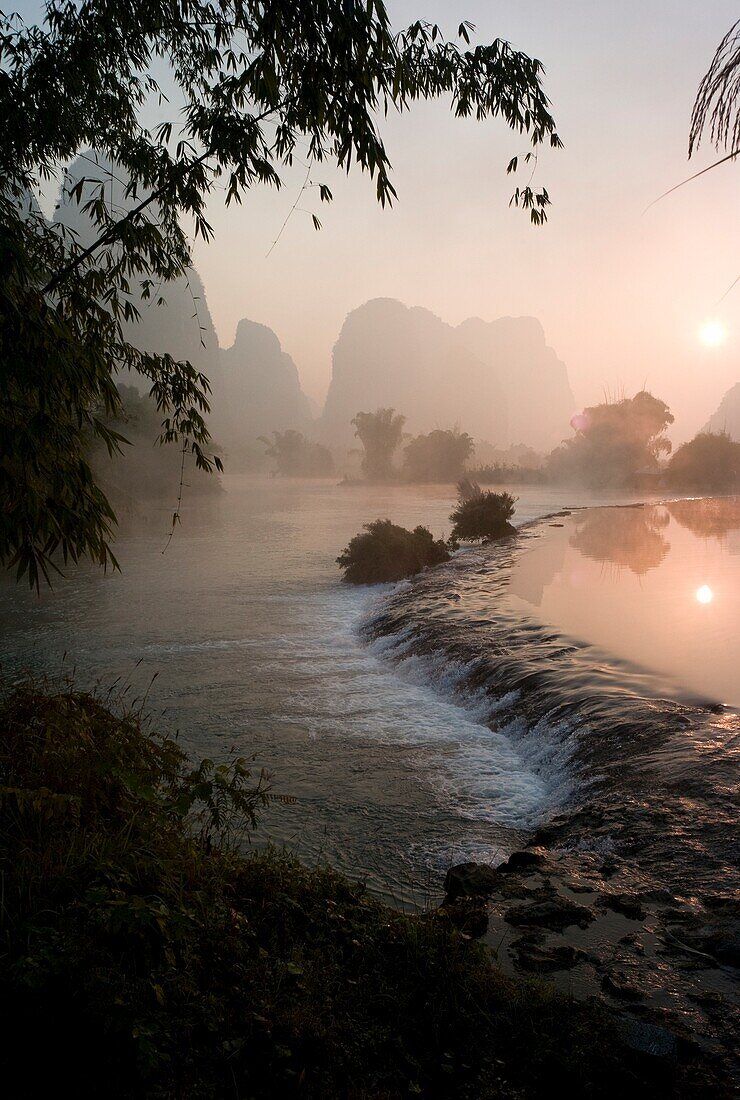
x=712, y=334
x=704, y=594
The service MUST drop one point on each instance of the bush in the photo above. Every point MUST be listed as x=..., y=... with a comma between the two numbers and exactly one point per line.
x=438, y=456
x=481, y=515
x=710, y=462
x=385, y=552
x=615, y=443
x=296, y=456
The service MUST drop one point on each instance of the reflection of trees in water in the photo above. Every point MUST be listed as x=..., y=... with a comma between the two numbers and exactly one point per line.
x=709, y=518
x=630, y=538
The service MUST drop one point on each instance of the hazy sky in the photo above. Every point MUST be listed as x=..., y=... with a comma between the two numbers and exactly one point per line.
x=620, y=293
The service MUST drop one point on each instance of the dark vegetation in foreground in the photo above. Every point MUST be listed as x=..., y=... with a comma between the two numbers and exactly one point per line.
x=144, y=955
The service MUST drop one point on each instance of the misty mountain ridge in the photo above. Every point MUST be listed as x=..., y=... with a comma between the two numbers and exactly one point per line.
x=539, y=400
x=727, y=416
x=259, y=389
x=255, y=385
x=497, y=380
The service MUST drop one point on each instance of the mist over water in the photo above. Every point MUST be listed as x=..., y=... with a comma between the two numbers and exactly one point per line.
x=256, y=644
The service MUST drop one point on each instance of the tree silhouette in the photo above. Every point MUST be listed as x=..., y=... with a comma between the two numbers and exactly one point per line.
x=384, y=552
x=481, y=515
x=614, y=442
x=380, y=433
x=253, y=84
x=438, y=456
x=710, y=462
x=296, y=456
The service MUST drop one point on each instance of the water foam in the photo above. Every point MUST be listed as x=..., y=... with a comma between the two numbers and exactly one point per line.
x=496, y=769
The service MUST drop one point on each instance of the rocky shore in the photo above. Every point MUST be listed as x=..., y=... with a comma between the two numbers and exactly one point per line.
x=665, y=966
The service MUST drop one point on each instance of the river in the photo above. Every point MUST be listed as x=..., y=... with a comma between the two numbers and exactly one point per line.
x=241, y=636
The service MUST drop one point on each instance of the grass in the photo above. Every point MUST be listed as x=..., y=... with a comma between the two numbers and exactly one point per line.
x=145, y=953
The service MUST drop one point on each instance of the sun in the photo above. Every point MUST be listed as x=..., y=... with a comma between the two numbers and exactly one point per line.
x=712, y=334
x=704, y=594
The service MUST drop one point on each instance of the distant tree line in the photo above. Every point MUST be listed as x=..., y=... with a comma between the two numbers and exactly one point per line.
x=505, y=474
x=616, y=445
x=296, y=456
x=437, y=456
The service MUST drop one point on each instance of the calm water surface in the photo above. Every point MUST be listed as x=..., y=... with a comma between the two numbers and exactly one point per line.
x=656, y=586
x=398, y=761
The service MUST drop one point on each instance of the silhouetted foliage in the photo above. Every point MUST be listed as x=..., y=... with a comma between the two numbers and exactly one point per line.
x=384, y=552
x=710, y=462
x=146, y=954
x=150, y=471
x=481, y=515
x=297, y=456
x=716, y=105
x=252, y=82
x=438, y=456
x=467, y=489
x=615, y=442
x=380, y=433
x=508, y=475
x=517, y=455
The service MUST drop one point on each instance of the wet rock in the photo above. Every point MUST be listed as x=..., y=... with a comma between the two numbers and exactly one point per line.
x=625, y=904
x=555, y=913
x=717, y=942
x=660, y=897
x=469, y=880
x=618, y=984
x=543, y=958
x=674, y=945
x=528, y=859
x=647, y=1039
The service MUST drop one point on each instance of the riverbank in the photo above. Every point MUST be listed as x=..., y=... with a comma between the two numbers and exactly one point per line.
x=145, y=954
